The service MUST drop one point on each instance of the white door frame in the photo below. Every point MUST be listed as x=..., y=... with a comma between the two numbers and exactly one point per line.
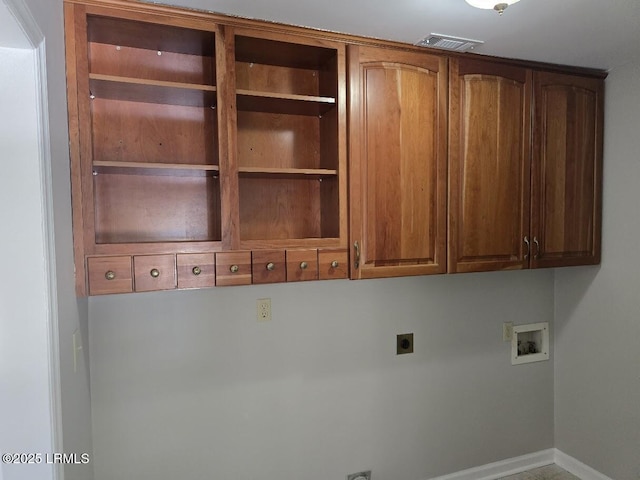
x=36, y=38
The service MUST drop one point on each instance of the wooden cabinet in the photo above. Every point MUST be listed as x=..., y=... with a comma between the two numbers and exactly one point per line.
x=516, y=200
x=519, y=199
x=190, y=137
x=567, y=170
x=212, y=150
x=144, y=135
x=489, y=166
x=398, y=148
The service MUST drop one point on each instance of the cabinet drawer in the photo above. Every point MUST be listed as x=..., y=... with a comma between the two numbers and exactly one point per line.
x=109, y=275
x=233, y=268
x=196, y=270
x=302, y=265
x=268, y=266
x=154, y=272
x=333, y=264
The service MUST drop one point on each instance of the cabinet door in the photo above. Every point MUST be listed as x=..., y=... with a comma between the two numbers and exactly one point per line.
x=397, y=162
x=489, y=176
x=567, y=170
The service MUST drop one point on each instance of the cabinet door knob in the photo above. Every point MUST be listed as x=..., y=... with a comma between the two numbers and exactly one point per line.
x=356, y=251
x=155, y=273
x=196, y=270
x=334, y=264
x=528, y=244
x=110, y=275
x=303, y=265
x=271, y=266
x=234, y=268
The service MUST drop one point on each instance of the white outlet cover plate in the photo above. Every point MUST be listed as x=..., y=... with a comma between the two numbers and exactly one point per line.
x=263, y=309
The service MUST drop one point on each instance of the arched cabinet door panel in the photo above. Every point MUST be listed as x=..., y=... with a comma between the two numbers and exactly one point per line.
x=489, y=166
x=397, y=162
x=567, y=170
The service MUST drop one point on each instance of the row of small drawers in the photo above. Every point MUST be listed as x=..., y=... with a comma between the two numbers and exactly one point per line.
x=145, y=273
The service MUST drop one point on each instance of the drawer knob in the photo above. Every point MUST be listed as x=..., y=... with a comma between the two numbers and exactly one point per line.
x=196, y=270
x=234, y=268
x=155, y=273
x=110, y=275
x=271, y=266
x=303, y=265
x=334, y=264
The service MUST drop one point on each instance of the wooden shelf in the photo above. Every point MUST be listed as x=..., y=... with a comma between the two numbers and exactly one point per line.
x=303, y=173
x=169, y=169
x=151, y=91
x=285, y=103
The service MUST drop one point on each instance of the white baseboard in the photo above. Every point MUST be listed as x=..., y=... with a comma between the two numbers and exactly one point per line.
x=511, y=466
x=577, y=468
x=504, y=468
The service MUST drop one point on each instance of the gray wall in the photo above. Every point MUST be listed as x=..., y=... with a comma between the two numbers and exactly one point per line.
x=597, y=380
x=189, y=385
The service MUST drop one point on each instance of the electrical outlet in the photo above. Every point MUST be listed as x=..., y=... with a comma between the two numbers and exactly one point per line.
x=507, y=331
x=360, y=476
x=404, y=343
x=263, y=308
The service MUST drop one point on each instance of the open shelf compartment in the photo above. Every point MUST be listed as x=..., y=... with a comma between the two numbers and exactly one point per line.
x=156, y=208
x=280, y=209
x=128, y=48
x=281, y=77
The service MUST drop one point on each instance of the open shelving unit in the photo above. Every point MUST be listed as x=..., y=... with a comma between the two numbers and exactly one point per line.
x=154, y=132
x=205, y=150
x=287, y=148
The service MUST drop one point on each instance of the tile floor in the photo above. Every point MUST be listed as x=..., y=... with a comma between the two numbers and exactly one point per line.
x=550, y=472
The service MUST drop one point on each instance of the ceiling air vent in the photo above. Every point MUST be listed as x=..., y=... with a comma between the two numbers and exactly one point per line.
x=447, y=42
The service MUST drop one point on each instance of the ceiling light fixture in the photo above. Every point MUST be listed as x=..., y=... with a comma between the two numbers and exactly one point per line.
x=491, y=4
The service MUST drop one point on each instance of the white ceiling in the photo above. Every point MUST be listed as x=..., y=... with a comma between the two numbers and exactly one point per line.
x=589, y=33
